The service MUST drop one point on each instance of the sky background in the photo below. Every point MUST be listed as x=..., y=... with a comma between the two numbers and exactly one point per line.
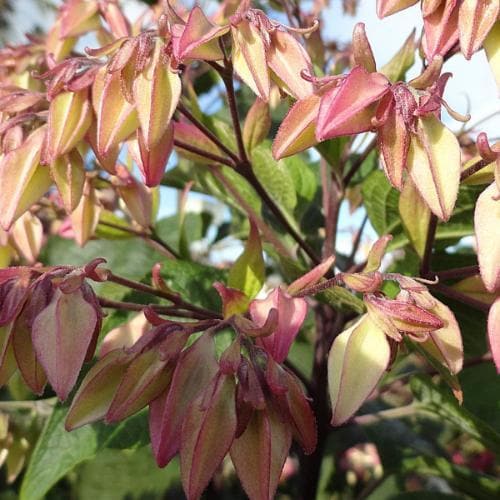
x=472, y=88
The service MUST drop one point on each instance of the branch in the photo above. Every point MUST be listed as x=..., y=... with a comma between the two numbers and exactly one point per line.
x=227, y=78
x=425, y=265
x=357, y=164
x=203, y=153
x=246, y=171
x=172, y=297
x=480, y=164
x=153, y=237
x=459, y=272
x=356, y=243
x=167, y=310
x=461, y=297
x=207, y=132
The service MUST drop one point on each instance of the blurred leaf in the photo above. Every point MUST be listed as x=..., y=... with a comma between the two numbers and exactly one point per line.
x=130, y=257
x=442, y=405
x=130, y=474
x=479, y=486
x=205, y=182
x=479, y=383
x=58, y=452
x=195, y=228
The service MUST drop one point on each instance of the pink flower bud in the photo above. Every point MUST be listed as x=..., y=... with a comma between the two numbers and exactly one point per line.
x=291, y=315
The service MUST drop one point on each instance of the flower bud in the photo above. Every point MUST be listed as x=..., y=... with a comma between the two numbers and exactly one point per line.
x=291, y=315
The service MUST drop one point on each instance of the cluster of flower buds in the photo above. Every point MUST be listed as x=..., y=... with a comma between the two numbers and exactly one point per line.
x=124, y=92
x=365, y=351
x=190, y=390
x=50, y=320
x=412, y=140
x=450, y=25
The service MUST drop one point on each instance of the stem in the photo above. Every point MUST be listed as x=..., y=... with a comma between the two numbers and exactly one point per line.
x=425, y=266
x=172, y=297
x=319, y=287
x=170, y=311
x=205, y=154
x=474, y=168
x=356, y=243
x=268, y=233
x=461, y=297
x=153, y=237
x=329, y=324
x=390, y=414
x=361, y=158
x=207, y=132
x=227, y=78
x=459, y=272
x=244, y=167
x=246, y=171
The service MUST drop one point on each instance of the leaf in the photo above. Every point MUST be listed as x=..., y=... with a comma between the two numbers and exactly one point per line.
x=479, y=383
x=257, y=124
x=381, y=203
x=60, y=251
x=274, y=176
x=58, y=452
x=125, y=474
x=442, y=405
x=193, y=281
x=248, y=272
x=342, y=299
x=478, y=486
x=305, y=180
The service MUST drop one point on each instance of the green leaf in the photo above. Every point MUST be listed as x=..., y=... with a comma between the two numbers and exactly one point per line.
x=58, y=452
x=130, y=257
x=305, y=179
x=479, y=486
x=442, y=405
x=382, y=204
x=206, y=183
x=193, y=281
x=342, y=299
x=274, y=176
x=479, y=383
x=331, y=150
x=130, y=474
x=195, y=228
x=401, y=61
x=248, y=272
